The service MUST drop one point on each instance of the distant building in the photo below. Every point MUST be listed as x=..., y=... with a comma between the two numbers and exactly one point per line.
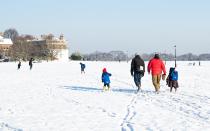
x=58, y=46
x=5, y=44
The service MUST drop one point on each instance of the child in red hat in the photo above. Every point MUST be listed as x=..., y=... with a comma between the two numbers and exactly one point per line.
x=105, y=79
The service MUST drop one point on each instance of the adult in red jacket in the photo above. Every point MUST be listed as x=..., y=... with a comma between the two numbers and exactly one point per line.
x=157, y=67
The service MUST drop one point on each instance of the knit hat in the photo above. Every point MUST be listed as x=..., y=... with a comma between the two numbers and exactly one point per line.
x=157, y=56
x=104, y=70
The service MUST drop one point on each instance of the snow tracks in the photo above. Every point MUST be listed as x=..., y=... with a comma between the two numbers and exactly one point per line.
x=7, y=127
x=167, y=111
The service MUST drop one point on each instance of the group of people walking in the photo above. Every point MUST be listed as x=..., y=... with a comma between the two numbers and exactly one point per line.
x=30, y=64
x=156, y=68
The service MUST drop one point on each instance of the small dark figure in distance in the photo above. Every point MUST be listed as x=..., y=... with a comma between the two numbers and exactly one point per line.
x=172, y=79
x=19, y=65
x=82, y=67
x=31, y=63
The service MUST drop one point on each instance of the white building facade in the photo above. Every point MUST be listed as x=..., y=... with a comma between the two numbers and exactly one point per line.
x=58, y=45
x=5, y=45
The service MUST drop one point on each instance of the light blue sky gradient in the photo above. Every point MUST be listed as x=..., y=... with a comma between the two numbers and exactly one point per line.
x=143, y=26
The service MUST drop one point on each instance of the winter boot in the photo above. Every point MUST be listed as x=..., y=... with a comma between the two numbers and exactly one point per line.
x=139, y=87
x=104, y=88
x=108, y=88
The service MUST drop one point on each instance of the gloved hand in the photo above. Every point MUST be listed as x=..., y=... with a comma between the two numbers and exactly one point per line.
x=163, y=77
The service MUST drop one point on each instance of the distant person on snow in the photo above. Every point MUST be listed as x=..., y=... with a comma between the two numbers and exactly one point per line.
x=82, y=67
x=137, y=70
x=157, y=66
x=31, y=63
x=19, y=65
x=105, y=79
x=172, y=79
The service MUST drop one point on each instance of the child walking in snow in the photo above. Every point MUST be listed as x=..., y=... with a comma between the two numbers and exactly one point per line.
x=172, y=79
x=105, y=79
x=82, y=67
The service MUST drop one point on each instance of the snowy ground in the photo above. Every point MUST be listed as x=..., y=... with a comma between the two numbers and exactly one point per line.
x=54, y=96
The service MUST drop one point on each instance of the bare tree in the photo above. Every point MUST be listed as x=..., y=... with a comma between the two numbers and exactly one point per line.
x=52, y=52
x=20, y=50
x=24, y=38
x=11, y=33
x=39, y=51
x=1, y=53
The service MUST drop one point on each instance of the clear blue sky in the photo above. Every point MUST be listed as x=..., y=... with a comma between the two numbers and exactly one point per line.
x=143, y=26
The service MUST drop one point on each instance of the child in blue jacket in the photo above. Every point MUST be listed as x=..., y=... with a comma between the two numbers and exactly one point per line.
x=82, y=67
x=105, y=79
x=172, y=79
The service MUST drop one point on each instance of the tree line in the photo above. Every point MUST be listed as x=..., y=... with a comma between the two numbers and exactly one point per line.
x=123, y=56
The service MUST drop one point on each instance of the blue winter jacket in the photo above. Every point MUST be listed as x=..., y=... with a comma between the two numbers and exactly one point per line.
x=105, y=77
x=82, y=66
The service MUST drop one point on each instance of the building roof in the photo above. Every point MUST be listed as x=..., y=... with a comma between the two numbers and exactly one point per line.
x=5, y=41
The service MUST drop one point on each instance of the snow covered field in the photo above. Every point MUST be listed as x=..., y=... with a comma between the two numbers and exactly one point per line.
x=55, y=96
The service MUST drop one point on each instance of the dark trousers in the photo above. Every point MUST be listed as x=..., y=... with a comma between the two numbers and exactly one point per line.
x=106, y=84
x=31, y=66
x=137, y=78
x=18, y=66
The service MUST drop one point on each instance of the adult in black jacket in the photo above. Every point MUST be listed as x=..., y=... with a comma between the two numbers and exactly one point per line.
x=137, y=70
x=31, y=63
x=19, y=65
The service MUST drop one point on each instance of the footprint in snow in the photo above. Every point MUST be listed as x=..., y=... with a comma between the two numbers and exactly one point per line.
x=112, y=114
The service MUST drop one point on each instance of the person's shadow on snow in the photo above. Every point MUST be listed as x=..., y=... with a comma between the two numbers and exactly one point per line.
x=95, y=89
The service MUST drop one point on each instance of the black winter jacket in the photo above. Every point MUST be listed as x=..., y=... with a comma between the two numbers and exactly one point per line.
x=137, y=64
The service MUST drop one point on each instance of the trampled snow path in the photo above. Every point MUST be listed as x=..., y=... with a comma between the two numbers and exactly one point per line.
x=6, y=127
x=56, y=97
x=185, y=108
x=131, y=112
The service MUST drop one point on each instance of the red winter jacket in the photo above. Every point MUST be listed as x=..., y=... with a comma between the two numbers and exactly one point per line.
x=157, y=66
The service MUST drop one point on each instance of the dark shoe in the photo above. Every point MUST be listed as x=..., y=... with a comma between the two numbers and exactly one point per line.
x=139, y=88
x=157, y=92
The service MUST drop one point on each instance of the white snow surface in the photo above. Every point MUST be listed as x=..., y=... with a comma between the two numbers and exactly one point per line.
x=55, y=96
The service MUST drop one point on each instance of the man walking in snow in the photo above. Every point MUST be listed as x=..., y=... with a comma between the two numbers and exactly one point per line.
x=31, y=63
x=137, y=70
x=19, y=64
x=157, y=67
